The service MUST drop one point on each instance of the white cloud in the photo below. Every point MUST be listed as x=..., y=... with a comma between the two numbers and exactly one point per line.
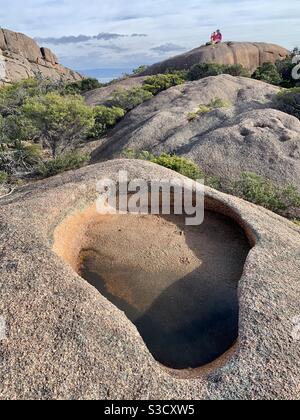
x=186, y=24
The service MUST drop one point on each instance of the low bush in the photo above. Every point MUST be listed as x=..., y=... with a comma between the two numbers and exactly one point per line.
x=200, y=71
x=83, y=85
x=105, y=118
x=129, y=99
x=161, y=82
x=268, y=73
x=263, y=192
x=236, y=70
x=64, y=162
x=12, y=97
x=289, y=101
x=139, y=70
x=204, y=109
x=178, y=164
x=3, y=177
x=19, y=158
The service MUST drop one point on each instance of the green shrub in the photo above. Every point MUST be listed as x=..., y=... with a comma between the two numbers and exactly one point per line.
x=64, y=162
x=16, y=127
x=204, y=109
x=290, y=197
x=136, y=154
x=105, y=118
x=297, y=222
x=161, y=82
x=219, y=103
x=268, y=73
x=263, y=192
x=200, y=71
x=12, y=97
x=289, y=101
x=19, y=158
x=83, y=85
x=139, y=70
x=61, y=120
x=285, y=68
x=236, y=70
x=178, y=164
x=129, y=99
x=3, y=177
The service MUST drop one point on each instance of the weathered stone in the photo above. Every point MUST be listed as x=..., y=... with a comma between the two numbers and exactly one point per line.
x=22, y=58
x=247, y=134
x=250, y=55
x=49, y=56
x=64, y=340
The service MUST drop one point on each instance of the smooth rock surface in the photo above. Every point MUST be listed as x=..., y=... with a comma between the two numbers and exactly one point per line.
x=247, y=135
x=65, y=341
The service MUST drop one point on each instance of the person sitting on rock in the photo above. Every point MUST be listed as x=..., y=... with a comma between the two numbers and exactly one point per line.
x=213, y=38
x=218, y=37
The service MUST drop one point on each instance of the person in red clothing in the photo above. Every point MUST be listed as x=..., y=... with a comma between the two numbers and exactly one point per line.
x=218, y=37
x=213, y=38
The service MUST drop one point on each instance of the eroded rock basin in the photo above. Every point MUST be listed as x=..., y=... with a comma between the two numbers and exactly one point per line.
x=176, y=283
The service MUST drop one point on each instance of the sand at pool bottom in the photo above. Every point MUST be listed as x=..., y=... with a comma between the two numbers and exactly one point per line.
x=177, y=284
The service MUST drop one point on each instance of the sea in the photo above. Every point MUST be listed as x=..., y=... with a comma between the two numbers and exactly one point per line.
x=106, y=75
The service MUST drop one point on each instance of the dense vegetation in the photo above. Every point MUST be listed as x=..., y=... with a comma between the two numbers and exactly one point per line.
x=250, y=186
x=200, y=71
x=280, y=73
x=83, y=85
x=289, y=101
x=42, y=122
x=263, y=192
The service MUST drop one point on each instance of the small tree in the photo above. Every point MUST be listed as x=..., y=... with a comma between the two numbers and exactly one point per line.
x=62, y=120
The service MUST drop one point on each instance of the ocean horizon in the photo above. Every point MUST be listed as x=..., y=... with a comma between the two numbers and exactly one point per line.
x=106, y=75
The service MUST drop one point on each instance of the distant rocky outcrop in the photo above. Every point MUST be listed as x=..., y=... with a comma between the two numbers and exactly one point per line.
x=250, y=55
x=22, y=58
x=246, y=134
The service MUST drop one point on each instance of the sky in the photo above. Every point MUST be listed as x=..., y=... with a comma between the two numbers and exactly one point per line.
x=125, y=34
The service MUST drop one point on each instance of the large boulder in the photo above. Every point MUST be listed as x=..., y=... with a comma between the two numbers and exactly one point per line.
x=250, y=55
x=61, y=339
x=22, y=58
x=247, y=134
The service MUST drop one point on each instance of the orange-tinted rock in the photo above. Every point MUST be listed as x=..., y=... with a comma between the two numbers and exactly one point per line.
x=249, y=55
x=22, y=58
